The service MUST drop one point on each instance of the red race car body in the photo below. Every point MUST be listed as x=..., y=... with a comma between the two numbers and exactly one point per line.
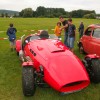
x=61, y=69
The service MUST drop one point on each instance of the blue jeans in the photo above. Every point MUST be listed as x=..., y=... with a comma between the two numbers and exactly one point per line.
x=66, y=39
x=71, y=42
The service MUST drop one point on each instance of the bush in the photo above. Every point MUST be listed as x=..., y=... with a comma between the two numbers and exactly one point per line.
x=90, y=16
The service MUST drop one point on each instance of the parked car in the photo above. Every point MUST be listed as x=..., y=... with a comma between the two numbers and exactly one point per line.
x=90, y=41
x=46, y=60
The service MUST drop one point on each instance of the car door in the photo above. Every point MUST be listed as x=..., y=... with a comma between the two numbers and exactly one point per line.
x=86, y=39
x=95, y=42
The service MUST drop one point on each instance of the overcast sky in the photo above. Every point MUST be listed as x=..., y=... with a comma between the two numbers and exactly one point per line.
x=68, y=5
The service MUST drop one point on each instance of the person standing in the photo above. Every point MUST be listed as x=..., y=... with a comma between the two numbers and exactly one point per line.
x=65, y=28
x=57, y=30
x=81, y=29
x=11, y=32
x=71, y=34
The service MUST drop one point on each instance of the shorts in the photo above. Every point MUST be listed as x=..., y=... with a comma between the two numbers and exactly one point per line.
x=12, y=43
x=71, y=42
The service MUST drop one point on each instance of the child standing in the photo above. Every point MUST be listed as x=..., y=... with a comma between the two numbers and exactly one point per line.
x=57, y=30
x=11, y=32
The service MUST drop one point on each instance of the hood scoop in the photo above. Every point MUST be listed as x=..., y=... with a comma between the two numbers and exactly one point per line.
x=53, y=48
x=54, y=51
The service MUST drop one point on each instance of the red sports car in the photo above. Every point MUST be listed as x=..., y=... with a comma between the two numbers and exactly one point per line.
x=90, y=41
x=48, y=60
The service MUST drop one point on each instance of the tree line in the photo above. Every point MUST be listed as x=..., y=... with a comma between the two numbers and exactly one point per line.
x=53, y=13
x=56, y=12
x=9, y=15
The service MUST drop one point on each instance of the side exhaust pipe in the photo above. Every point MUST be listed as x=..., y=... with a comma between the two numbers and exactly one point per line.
x=21, y=55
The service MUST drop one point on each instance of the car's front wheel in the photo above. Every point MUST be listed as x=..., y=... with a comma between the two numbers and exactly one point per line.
x=95, y=64
x=28, y=83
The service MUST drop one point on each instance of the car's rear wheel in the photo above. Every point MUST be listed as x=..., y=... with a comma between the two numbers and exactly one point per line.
x=28, y=82
x=95, y=64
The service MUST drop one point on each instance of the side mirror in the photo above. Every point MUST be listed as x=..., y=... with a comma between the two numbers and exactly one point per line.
x=26, y=41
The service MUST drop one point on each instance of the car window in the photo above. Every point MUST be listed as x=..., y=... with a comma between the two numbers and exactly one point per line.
x=96, y=33
x=88, y=31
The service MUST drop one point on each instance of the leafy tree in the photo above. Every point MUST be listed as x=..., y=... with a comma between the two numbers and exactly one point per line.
x=2, y=15
x=93, y=15
x=35, y=14
x=15, y=15
x=41, y=11
x=6, y=15
x=21, y=13
x=80, y=13
x=98, y=15
x=27, y=12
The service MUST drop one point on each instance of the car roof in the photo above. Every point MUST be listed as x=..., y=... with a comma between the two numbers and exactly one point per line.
x=94, y=26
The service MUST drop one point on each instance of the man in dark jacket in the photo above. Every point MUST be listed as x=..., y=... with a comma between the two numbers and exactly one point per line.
x=81, y=29
x=11, y=32
x=65, y=28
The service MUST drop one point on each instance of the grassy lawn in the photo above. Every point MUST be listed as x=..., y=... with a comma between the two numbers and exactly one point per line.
x=10, y=66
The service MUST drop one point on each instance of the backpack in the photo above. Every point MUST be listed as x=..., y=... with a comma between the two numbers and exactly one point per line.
x=11, y=33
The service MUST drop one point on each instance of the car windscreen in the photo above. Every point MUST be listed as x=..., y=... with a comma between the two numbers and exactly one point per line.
x=88, y=31
x=96, y=33
x=35, y=37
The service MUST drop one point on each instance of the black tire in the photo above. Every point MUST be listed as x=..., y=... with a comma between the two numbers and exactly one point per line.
x=28, y=83
x=95, y=64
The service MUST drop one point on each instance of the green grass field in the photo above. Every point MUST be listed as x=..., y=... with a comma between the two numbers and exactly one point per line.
x=10, y=66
